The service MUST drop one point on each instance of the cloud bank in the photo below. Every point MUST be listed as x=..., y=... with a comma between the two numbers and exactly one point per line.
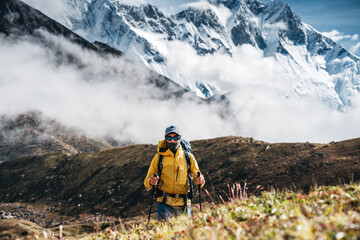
x=104, y=97
x=111, y=97
x=337, y=36
x=261, y=97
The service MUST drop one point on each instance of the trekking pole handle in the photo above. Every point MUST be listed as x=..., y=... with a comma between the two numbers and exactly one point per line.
x=152, y=196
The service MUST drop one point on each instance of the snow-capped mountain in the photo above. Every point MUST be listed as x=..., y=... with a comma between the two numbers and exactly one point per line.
x=314, y=64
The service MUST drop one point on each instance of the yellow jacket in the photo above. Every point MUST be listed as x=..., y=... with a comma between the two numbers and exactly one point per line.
x=174, y=178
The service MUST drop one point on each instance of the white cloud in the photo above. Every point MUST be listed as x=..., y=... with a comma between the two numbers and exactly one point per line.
x=276, y=26
x=258, y=101
x=348, y=41
x=227, y=72
x=112, y=97
x=222, y=12
x=338, y=36
x=171, y=7
x=104, y=97
x=356, y=48
x=133, y=2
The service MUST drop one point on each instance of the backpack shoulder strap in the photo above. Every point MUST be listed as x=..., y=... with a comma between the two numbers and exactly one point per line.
x=188, y=160
x=160, y=164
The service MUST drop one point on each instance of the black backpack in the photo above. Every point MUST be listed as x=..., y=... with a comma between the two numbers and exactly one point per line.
x=187, y=149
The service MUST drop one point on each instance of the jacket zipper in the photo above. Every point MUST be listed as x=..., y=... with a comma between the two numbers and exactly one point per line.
x=177, y=172
x=174, y=171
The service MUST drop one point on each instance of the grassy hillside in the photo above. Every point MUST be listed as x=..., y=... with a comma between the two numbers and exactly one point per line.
x=80, y=190
x=110, y=182
x=323, y=213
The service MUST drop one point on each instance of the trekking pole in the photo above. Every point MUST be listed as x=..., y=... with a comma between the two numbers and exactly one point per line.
x=152, y=198
x=198, y=175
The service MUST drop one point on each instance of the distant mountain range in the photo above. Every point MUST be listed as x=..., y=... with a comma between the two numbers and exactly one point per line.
x=18, y=19
x=314, y=64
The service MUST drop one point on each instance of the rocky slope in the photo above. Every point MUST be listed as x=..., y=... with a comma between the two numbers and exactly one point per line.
x=32, y=134
x=19, y=19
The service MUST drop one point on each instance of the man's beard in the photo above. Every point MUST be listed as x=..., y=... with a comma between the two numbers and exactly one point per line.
x=173, y=146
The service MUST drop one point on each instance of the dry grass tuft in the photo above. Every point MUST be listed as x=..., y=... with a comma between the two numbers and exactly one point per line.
x=323, y=213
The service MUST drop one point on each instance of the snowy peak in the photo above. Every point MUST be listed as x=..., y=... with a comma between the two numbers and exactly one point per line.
x=277, y=5
x=317, y=66
x=240, y=5
x=278, y=11
x=152, y=12
x=200, y=18
x=148, y=15
x=202, y=30
x=231, y=4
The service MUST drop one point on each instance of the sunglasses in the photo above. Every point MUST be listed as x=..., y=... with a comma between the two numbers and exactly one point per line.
x=176, y=138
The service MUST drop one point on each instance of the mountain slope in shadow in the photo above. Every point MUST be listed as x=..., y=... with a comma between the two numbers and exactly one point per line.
x=110, y=182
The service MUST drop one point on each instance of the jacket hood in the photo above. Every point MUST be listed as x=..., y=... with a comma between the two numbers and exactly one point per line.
x=164, y=150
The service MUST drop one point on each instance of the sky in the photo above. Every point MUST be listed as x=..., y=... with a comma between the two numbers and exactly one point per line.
x=337, y=19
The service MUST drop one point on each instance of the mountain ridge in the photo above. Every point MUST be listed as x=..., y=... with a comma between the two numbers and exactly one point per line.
x=31, y=134
x=318, y=66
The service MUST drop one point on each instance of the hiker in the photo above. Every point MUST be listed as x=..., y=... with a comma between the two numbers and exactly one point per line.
x=172, y=184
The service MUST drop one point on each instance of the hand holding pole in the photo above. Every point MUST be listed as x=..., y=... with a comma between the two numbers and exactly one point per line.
x=153, y=193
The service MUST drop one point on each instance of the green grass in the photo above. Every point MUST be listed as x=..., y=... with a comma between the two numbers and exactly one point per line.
x=323, y=213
